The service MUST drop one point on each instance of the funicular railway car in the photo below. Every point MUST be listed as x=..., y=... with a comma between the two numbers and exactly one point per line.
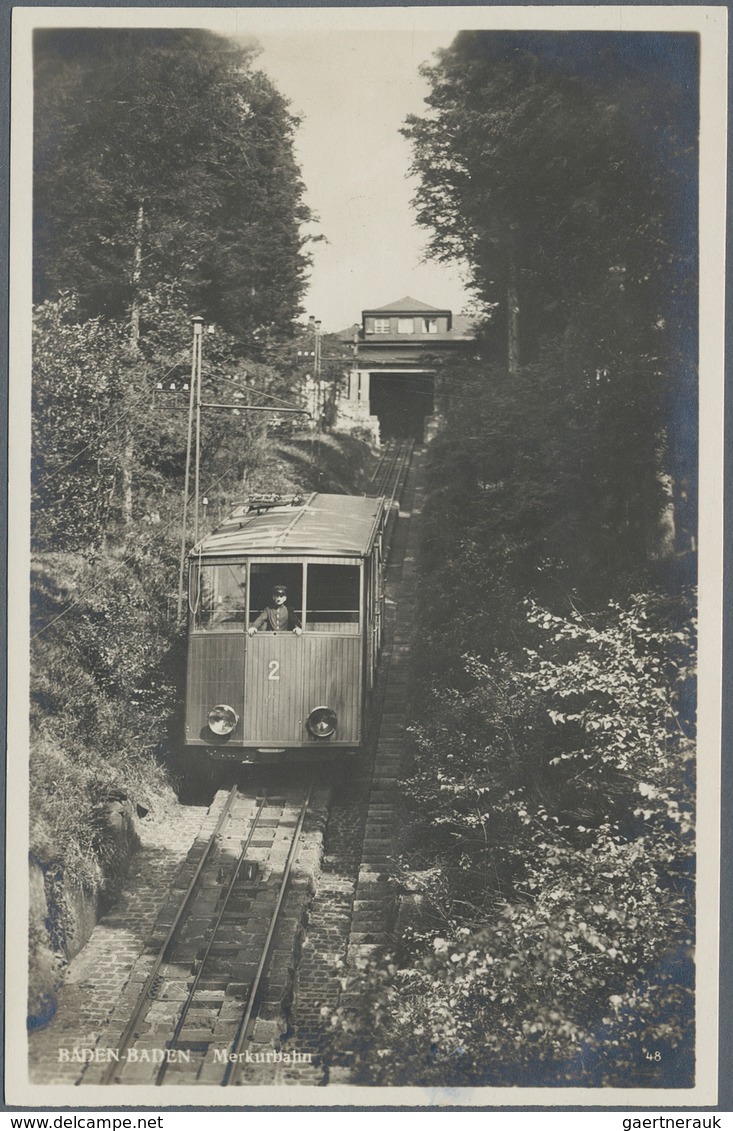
x=273, y=687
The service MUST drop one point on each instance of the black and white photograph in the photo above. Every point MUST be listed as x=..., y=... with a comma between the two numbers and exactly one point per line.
x=366, y=400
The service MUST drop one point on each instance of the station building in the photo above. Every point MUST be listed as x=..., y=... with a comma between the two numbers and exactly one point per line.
x=396, y=355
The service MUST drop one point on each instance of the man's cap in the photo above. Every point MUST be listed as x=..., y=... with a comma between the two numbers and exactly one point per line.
x=279, y=591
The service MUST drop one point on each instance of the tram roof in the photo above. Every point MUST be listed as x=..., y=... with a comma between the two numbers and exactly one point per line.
x=319, y=524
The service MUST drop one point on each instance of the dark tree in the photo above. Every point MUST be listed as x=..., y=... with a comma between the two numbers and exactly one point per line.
x=165, y=156
x=80, y=374
x=562, y=169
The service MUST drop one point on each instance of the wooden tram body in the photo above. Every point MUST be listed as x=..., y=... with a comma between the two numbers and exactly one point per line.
x=279, y=696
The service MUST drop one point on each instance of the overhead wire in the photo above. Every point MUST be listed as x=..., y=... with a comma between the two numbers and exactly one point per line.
x=47, y=477
x=174, y=520
x=123, y=562
x=254, y=389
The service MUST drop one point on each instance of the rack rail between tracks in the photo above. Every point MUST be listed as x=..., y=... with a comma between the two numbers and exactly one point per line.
x=241, y=1030
x=388, y=477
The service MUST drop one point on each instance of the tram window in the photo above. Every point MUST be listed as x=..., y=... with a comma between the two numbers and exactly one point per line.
x=333, y=598
x=217, y=596
x=263, y=576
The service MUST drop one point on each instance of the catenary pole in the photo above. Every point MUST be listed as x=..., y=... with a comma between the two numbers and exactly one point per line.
x=195, y=404
x=197, y=323
x=317, y=367
x=198, y=439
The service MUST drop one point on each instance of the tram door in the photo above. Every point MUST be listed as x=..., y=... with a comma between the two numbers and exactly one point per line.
x=274, y=665
x=273, y=699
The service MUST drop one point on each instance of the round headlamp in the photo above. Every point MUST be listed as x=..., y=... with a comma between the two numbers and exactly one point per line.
x=321, y=722
x=223, y=719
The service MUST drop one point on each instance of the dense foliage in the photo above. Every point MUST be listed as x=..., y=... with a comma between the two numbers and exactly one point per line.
x=547, y=859
x=104, y=685
x=110, y=423
x=562, y=169
x=548, y=851
x=165, y=156
x=165, y=186
x=80, y=374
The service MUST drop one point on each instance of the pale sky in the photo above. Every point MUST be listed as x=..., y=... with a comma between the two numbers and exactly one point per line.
x=353, y=91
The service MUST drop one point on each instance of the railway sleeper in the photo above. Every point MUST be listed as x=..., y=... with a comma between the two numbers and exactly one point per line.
x=212, y=982
x=194, y=1043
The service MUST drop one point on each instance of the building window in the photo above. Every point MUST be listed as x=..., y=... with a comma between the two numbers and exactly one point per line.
x=405, y=326
x=381, y=325
x=430, y=325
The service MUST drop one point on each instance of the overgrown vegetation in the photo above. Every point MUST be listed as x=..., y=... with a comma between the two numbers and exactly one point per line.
x=165, y=187
x=548, y=855
x=107, y=678
x=551, y=850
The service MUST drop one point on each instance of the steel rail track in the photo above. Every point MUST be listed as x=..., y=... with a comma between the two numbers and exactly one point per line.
x=389, y=479
x=145, y=998
x=401, y=469
x=246, y=1022
x=173, y=1042
x=379, y=470
x=384, y=471
x=388, y=476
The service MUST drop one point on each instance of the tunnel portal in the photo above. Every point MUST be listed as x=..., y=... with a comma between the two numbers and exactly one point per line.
x=402, y=402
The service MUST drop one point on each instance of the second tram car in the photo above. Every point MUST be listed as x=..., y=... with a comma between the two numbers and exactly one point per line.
x=298, y=687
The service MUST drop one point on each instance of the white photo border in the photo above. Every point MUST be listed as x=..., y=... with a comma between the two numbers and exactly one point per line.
x=710, y=22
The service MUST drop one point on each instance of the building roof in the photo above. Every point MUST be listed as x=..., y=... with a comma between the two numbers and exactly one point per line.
x=320, y=524
x=406, y=305
x=462, y=329
x=349, y=333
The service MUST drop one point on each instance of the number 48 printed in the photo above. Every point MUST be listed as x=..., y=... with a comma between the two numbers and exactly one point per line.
x=656, y=1056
